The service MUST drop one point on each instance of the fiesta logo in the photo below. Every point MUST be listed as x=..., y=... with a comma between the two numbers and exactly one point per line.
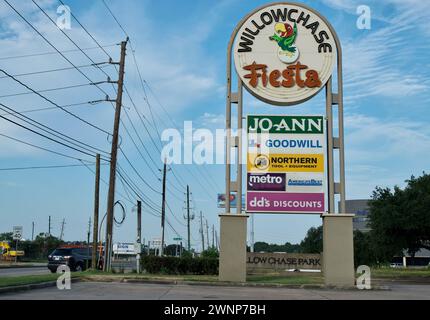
x=305, y=183
x=285, y=35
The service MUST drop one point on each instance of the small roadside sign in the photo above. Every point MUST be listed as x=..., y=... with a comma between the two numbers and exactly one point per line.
x=177, y=239
x=17, y=232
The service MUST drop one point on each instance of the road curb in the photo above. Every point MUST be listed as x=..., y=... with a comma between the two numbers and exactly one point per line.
x=28, y=287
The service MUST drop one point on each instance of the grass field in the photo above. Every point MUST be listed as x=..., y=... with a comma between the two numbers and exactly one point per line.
x=23, y=280
x=401, y=273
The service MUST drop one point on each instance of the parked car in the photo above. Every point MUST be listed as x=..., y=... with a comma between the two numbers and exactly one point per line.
x=396, y=265
x=77, y=259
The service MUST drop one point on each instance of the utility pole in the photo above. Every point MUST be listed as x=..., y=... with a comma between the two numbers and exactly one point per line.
x=207, y=233
x=96, y=215
x=88, y=242
x=32, y=231
x=163, y=209
x=113, y=161
x=188, y=218
x=139, y=234
x=49, y=226
x=62, y=229
x=216, y=240
x=252, y=233
x=201, y=231
x=213, y=236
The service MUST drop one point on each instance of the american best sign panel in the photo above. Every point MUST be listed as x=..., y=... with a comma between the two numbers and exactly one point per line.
x=285, y=164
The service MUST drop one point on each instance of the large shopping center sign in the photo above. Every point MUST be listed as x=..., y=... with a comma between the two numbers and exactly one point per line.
x=285, y=170
x=284, y=54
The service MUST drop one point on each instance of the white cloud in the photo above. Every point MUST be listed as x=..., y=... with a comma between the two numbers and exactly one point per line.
x=383, y=152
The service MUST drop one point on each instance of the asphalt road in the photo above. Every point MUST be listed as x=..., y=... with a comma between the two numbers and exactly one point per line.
x=128, y=291
x=16, y=272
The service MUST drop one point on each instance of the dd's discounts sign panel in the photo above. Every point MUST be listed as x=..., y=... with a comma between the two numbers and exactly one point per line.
x=285, y=170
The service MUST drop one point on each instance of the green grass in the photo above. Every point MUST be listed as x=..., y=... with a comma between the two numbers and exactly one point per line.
x=400, y=273
x=31, y=279
x=23, y=280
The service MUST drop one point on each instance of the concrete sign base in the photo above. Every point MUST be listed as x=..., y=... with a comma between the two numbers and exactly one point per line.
x=338, y=250
x=232, y=261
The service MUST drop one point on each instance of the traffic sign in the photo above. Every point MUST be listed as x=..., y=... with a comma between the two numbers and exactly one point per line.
x=17, y=232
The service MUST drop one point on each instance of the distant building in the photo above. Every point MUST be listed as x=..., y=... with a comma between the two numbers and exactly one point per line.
x=421, y=259
x=361, y=210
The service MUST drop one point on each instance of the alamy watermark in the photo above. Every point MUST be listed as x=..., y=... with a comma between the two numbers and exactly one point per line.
x=364, y=280
x=64, y=281
x=64, y=18
x=364, y=21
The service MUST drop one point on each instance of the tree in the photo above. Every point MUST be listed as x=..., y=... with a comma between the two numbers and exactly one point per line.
x=8, y=236
x=313, y=242
x=364, y=250
x=172, y=250
x=210, y=253
x=400, y=219
x=287, y=247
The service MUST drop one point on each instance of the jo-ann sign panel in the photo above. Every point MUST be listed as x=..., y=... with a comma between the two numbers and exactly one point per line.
x=285, y=164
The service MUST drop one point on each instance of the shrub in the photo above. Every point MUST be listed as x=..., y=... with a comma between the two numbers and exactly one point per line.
x=176, y=266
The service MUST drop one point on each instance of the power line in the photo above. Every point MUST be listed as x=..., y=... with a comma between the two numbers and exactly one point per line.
x=55, y=104
x=47, y=41
x=47, y=90
x=54, y=52
x=43, y=167
x=40, y=148
x=51, y=70
x=49, y=130
x=86, y=31
x=110, y=11
x=93, y=38
x=68, y=37
x=52, y=108
x=137, y=172
x=46, y=137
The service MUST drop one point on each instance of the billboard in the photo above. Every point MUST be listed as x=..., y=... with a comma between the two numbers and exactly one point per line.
x=285, y=164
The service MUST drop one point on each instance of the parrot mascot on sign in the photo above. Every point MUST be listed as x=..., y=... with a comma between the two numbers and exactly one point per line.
x=285, y=36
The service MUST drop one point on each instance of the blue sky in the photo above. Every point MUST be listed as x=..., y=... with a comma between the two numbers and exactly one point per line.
x=180, y=47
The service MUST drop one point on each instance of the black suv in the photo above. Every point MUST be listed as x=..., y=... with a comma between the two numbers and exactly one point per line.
x=77, y=259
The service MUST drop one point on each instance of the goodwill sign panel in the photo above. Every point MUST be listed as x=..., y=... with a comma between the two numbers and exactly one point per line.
x=286, y=164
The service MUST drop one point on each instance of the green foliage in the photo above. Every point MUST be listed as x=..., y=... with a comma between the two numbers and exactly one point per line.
x=8, y=236
x=313, y=242
x=180, y=266
x=400, y=219
x=364, y=249
x=40, y=248
x=210, y=253
x=187, y=254
x=287, y=247
x=172, y=249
